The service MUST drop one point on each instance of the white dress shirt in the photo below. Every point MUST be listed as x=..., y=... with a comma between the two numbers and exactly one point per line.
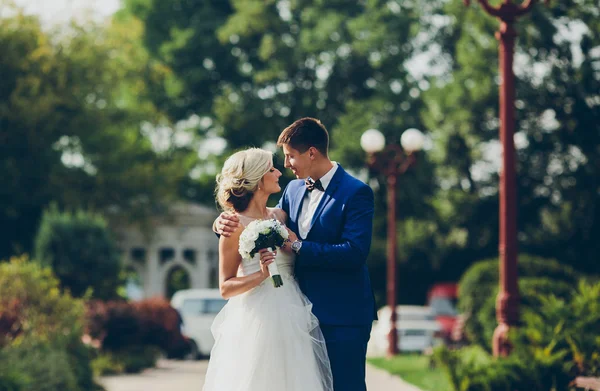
x=312, y=199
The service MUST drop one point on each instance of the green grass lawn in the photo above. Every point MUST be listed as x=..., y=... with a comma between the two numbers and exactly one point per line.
x=414, y=369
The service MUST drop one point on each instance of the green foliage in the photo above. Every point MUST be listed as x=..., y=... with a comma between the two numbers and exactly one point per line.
x=41, y=329
x=479, y=287
x=474, y=369
x=105, y=364
x=567, y=328
x=11, y=380
x=177, y=279
x=44, y=312
x=557, y=127
x=72, y=104
x=82, y=108
x=46, y=367
x=80, y=362
x=557, y=341
x=393, y=65
x=270, y=63
x=81, y=251
x=137, y=358
x=130, y=359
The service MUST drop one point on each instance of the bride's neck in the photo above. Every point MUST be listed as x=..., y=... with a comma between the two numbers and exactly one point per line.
x=257, y=208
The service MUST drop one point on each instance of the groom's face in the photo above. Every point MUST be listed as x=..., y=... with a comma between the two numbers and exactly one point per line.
x=299, y=163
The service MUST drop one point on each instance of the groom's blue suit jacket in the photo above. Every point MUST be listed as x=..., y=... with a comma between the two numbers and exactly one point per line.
x=331, y=266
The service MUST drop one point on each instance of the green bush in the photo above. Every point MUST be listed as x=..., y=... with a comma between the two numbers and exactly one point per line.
x=532, y=292
x=137, y=358
x=106, y=364
x=11, y=380
x=46, y=368
x=42, y=321
x=131, y=359
x=478, y=289
x=474, y=369
x=31, y=298
x=80, y=360
x=558, y=341
x=567, y=328
x=81, y=252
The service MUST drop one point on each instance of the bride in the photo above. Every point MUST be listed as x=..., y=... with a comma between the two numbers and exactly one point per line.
x=266, y=338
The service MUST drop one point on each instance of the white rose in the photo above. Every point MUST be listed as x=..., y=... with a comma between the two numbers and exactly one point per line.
x=284, y=233
x=252, y=236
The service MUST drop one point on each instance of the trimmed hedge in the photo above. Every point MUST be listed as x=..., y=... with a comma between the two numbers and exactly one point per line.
x=478, y=289
x=81, y=251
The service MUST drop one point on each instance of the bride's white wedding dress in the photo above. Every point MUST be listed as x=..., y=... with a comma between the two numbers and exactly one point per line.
x=267, y=339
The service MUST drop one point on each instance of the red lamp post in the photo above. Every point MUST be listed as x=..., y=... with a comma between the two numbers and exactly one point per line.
x=507, y=304
x=391, y=162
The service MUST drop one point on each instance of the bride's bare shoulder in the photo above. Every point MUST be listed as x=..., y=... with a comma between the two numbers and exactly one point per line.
x=279, y=214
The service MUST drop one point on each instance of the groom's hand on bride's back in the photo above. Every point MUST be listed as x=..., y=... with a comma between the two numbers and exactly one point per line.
x=226, y=224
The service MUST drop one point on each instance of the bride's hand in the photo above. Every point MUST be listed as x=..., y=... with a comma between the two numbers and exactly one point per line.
x=266, y=257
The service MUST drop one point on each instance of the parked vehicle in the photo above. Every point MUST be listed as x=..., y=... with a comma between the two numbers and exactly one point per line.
x=442, y=298
x=198, y=309
x=417, y=329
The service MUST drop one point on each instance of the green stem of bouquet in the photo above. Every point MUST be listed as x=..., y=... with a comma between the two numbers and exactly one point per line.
x=277, y=281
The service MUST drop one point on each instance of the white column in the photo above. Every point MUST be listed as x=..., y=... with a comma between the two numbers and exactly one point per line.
x=154, y=285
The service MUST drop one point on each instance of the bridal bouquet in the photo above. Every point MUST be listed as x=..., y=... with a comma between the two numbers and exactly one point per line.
x=261, y=234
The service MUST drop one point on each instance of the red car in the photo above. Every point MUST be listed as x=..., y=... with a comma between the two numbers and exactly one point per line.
x=442, y=298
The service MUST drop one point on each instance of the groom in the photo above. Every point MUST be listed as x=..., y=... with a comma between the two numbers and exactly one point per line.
x=331, y=215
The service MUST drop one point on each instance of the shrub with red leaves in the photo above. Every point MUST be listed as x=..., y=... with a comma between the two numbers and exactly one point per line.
x=10, y=320
x=161, y=325
x=118, y=325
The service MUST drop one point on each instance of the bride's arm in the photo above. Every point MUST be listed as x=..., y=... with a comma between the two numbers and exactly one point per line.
x=229, y=261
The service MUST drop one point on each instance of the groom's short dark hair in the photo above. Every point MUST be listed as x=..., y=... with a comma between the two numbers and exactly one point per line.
x=305, y=133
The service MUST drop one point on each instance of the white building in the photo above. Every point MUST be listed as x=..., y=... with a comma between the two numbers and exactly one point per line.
x=181, y=247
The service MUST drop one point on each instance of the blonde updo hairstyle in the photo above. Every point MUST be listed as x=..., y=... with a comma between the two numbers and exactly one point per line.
x=240, y=177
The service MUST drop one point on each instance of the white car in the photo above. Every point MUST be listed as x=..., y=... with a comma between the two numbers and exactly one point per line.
x=417, y=329
x=198, y=309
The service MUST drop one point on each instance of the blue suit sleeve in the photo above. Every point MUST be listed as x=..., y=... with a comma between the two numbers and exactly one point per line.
x=355, y=243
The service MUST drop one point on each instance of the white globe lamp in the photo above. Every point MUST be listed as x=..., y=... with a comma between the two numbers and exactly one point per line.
x=372, y=141
x=412, y=140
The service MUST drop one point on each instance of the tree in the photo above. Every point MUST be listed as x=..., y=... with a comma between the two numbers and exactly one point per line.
x=77, y=128
x=257, y=66
x=557, y=125
x=80, y=250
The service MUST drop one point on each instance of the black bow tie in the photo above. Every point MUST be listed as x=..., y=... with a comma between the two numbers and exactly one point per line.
x=311, y=185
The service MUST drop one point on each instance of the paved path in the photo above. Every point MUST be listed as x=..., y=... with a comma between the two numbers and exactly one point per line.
x=189, y=376
x=167, y=376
